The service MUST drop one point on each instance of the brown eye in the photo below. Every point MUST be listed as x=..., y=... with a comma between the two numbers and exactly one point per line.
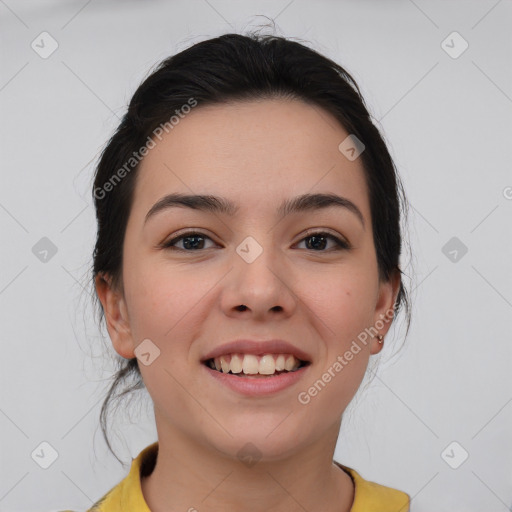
x=318, y=241
x=192, y=241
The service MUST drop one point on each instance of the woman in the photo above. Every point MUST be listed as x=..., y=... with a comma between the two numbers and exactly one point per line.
x=247, y=265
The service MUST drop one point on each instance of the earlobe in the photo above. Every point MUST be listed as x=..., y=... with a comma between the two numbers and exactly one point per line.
x=116, y=316
x=385, y=309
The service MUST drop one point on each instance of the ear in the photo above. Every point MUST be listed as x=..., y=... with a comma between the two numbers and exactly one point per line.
x=384, y=308
x=116, y=316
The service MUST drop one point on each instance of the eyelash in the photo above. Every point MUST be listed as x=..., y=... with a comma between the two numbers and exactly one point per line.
x=340, y=244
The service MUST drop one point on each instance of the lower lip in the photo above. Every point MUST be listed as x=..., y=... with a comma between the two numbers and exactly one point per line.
x=258, y=386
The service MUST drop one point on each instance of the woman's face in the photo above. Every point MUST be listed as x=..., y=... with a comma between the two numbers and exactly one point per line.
x=308, y=291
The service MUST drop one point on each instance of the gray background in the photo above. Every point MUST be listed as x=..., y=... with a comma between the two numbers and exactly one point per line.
x=448, y=121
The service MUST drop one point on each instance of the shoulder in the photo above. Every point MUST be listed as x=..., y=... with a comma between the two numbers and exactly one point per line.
x=127, y=494
x=373, y=497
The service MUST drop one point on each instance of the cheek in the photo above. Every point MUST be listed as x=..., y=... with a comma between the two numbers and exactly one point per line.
x=343, y=299
x=161, y=300
x=341, y=309
x=164, y=308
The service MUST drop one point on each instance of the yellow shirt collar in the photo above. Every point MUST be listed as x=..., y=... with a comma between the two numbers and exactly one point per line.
x=127, y=495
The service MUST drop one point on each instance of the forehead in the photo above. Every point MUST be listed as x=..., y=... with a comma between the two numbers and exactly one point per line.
x=255, y=153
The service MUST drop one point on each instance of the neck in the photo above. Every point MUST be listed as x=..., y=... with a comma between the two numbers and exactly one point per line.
x=191, y=477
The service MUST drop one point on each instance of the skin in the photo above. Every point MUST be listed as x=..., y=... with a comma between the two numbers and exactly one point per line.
x=256, y=154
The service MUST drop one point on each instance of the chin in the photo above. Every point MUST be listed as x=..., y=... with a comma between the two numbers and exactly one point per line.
x=259, y=444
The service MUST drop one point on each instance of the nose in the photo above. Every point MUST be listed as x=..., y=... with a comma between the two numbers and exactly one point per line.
x=259, y=288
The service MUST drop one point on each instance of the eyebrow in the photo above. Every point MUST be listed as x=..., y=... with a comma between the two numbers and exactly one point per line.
x=215, y=204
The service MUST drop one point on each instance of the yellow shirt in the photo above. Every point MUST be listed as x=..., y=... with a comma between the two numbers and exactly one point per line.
x=127, y=495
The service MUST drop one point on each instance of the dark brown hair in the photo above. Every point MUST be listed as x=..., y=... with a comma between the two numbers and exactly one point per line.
x=223, y=69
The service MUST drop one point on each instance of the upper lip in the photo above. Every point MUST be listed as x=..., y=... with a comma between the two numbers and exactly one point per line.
x=258, y=348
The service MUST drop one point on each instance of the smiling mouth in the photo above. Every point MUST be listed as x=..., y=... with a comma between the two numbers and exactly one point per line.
x=210, y=363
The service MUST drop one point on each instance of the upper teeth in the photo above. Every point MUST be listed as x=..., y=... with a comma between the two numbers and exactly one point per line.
x=251, y=364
